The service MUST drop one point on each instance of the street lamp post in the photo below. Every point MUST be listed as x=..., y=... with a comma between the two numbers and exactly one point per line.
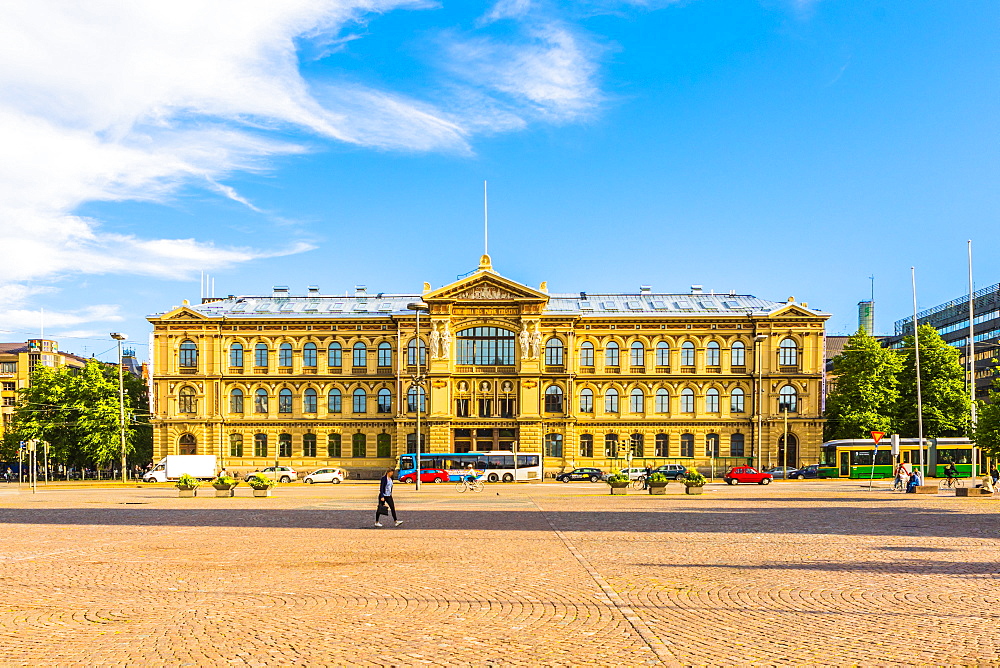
x=418, y=380
x=757, y=341
x=121, y=396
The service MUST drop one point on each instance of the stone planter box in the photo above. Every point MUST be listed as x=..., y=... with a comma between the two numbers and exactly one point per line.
x=223, y=493
x=619, y=488
x=927, y=489
x=187, y=493
x=694, y=489
x=262, y=492
x=657, y=488
x=973, y=491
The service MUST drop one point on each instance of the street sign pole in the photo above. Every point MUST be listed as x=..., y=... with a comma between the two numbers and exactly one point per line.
x=877, y=436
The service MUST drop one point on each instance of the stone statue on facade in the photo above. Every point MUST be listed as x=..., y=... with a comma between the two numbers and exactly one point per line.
x=435, y=342
x=525, y=339
x=536, y=343
x=444, y=344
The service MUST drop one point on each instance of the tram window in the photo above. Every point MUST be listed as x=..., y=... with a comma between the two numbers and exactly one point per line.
x=957, y=455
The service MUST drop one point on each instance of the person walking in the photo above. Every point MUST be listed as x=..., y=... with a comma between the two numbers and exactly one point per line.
x=995, y=474
x=385, y=496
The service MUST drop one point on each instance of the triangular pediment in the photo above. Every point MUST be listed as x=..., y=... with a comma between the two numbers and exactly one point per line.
x=796, y=311
x=182, y=313
x=486, y=285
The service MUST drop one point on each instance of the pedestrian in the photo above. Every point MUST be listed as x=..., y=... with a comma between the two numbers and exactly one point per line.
x=645, y=480
x=995, y=474
x=385, y=496
x=911, y=485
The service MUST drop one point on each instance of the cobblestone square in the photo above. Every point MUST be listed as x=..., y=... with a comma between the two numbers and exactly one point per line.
x=821, y=572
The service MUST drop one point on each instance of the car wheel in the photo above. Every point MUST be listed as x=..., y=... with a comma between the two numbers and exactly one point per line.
x=680, y=476
x=594, y=478
x=508, y=477
x=438, y=480
x=493, y=477
x=563, y=479
x=765, y=481
x=285, y=479
x=733, y=481
x=309, y=481
x=336, y=481
x=408, y=481
x=800, y=477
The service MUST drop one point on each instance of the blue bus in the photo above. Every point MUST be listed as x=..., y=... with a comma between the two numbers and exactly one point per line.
x=497, y=465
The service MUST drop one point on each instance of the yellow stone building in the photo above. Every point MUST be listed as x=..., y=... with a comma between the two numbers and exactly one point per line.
x=319, y=380
x=17, y=360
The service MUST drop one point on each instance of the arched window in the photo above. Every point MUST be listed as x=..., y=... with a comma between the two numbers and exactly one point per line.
x=236, y=401
x=553, y=399
x=359, y=445
x=712, y=445
x=687, y=354
x=736, y=401
x=788, y=399
x=611, y=354
x=309, y=445
x=260, y=445
x=662, y=401
x=587, y=354
x=586, y=401
x=236, y=355
x=309, y=401
x=384, y=401
x=687, y=445
x=637, y=401
x=384, y=354
x=187, y=401
x=334, y=355
x=260, y=355
x=687, y=401
x=285, y=401
x=788, y=353
x=662, y=354
x=490, y=346
x=736, y=445
x=411, y=352
x=611, y=401
x=712, y=356
x=309, y=355
x=333, y=445
x=586, y=445
x=284, y=445
x=413, y=396
x=791, y=458
x=285, y=355
x=383, y=445
x=333, y=401
x=738, y=354
x=189, y=354
x=260, y=401
x=236, y=445
x=712, y=401
x=360, y=401
x=360, y=355
x=662, y=445
x=188, y=444
x=611, y=446
x=638, y=444
x=637, y=354
x=553, y=445
x=554, y=352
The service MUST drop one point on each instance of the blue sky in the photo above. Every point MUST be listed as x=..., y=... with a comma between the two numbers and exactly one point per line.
x=773, y=147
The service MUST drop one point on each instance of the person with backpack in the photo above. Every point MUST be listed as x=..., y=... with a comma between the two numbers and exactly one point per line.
x=385, y=502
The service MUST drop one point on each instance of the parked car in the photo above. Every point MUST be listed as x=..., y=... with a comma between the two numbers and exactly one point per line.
x=591, y=474
x=426, y=475
x=672, y=471
x=811, y=471
x=634, y=473
x=780, y=471
x=739, y=474
x=279, y=473
x=336, y=476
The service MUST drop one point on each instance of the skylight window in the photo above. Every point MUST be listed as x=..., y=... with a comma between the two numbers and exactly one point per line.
x=264, y=307
x=362, y=306
x=311, y=306
x=609, y=306
x=287, y=306
x=731, y=303
x=239, y=308
x=386, y=306
x=660, y=305
x=709, y=305
x=337, y=306
x=586, y=306
x=635, y=306
x=684, y=304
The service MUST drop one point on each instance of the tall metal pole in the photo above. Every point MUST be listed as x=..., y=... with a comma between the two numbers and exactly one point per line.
x=121, y=398
x=972, y=366
x=758, y=341
x=784, y=464
x=916, y=357
x=420, y=387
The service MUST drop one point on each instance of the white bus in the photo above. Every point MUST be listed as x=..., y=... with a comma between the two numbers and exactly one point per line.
x=497, y=465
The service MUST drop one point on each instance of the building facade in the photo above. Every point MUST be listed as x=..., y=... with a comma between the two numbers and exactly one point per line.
x=17, y=360
x=951, y=320
x=583, y=379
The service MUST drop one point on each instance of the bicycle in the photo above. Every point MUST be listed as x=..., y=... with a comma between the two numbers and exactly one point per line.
x=473, y=484
x=952, y=482
x=638, y=483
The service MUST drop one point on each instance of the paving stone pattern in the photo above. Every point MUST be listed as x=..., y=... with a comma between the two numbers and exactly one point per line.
x=814, y=572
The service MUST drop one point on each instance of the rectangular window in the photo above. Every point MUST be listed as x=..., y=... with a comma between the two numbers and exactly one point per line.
x=384, y=356
x=360, y=401
x=260, y=356
x=712, y=445
x=507, y=407
x=553, y=445
x=687, y=445
x=334, y=356
x=360, y=356
x=611, y=402
x=586, y=445
x=8, y=387
x=662, y=447
x=309, y=355
x=586, y=402
x=687, y=355
x=285, y=356
x=712, y=402
x=358, y=445
x=236, y=402
x=285, y=445
x=611, y=356
x=738, y=357
x=309, y=445
x=587, y=356
x=236, y=356
x=260, y=445
x=712, y=356
x=235, y=445
x=285, y=402
x=736, y=445
x=637, y=356
x=687, y=402
x=736, y=403
x=611, y=446
x=333, y=402
x=333, y=445
x=662, y=356
x=554, y=354
x=8, y=367
x=383, y=445
x=10, y=401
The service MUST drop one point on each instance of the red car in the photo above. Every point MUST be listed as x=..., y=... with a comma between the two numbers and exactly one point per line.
x=426, y=475
x=739, y=474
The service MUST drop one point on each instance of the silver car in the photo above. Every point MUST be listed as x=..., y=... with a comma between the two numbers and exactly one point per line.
x=336, y=476
x=279, y=473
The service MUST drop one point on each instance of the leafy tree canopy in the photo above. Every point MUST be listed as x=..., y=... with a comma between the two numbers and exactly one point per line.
x=942, y=383
x=867, y=390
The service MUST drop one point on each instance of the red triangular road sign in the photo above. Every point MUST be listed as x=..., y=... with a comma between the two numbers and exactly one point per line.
x=877, y=435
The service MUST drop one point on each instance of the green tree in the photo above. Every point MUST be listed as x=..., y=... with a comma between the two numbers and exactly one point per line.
x=942, y=385
x=867, y=390
x=987, y=433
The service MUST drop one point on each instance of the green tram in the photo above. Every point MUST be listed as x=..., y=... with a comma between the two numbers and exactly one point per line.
x=852, y=457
